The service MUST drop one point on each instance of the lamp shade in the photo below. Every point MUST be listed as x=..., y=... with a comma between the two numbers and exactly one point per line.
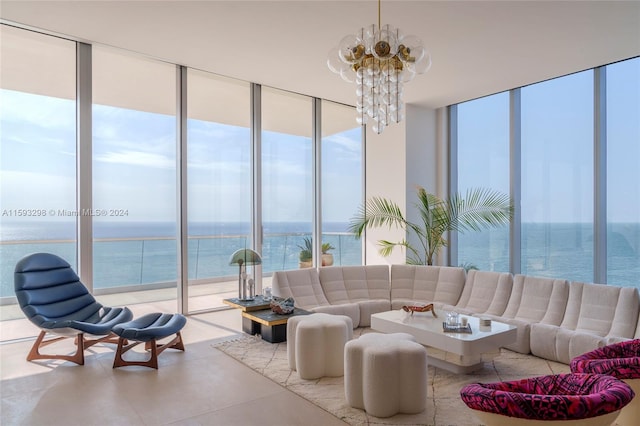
x=245, y=257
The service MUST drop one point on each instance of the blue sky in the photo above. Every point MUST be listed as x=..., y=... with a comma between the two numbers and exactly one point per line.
x=134, y=158
x=134, y=165
x=557, y=146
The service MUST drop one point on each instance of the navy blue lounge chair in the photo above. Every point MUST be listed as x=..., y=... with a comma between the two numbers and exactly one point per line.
x=53, y=298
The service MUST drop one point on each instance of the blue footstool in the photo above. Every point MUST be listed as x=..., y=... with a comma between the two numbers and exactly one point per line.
x=148, y=329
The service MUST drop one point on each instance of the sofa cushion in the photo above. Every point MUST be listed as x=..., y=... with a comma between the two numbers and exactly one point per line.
x=366, y=286
x=571, y=313
x=596, y=315
x=370, y=307
x=533, y=300
x=536, y=299
x=485, y=292
x=301, y=284
x=543, y=339
x=412, y=285
x=522, y=343
x=626, y=314
x=597, y=308
x=355, y=283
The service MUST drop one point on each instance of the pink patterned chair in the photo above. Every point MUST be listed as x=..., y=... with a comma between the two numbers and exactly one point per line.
x=576, y=399
x=620, y=360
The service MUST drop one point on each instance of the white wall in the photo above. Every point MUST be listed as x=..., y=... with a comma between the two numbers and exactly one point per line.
x=385, y=177
x=421, y=160
x=407, y=154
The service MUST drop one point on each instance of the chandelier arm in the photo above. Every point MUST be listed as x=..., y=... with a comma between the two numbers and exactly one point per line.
x=382, y=59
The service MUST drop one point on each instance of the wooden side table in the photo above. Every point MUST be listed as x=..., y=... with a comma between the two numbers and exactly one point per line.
x=271, y=326
x=257, y=304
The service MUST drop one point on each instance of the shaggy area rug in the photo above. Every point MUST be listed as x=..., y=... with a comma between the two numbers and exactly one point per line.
x=444, y=406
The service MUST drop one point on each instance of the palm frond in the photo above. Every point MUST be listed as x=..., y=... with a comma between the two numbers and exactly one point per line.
x=386, y=247
x=375, y=213
x=481, y=208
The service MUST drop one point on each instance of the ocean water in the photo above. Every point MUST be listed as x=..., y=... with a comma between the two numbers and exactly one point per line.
x=127, y=254
x=558, y=250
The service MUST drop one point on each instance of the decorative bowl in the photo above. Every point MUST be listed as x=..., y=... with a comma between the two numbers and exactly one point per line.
x=282, y=306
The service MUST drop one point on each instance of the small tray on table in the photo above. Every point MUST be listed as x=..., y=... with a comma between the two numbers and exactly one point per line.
x=458, y=328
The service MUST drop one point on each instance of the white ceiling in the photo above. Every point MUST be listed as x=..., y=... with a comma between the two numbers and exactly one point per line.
x=478, y=47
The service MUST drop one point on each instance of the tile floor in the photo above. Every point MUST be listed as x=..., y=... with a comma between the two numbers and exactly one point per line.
x=201, y=386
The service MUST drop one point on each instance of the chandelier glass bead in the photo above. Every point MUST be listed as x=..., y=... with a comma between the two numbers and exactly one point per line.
x=379, y=59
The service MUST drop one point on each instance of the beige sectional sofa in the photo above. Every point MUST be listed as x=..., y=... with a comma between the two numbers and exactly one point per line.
x=484, y=293
x=369, y=288
x=414, y=285
x=594, y=315
x=533, y=300
x=304, y=286
x=556, y=320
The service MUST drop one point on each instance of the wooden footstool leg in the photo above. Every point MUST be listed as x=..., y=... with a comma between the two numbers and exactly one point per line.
x=149, y=329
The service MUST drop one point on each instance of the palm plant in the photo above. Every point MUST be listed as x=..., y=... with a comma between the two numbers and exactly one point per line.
x=479, y=209
x=307, y=249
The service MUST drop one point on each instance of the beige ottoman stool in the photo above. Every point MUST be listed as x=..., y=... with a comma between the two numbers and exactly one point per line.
x=315, y=344
x=386, y=374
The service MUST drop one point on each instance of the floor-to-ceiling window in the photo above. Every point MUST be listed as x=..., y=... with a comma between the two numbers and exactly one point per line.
x=287, y=180
x=557, y=178
x=565, y=160
x=130, y=179
x=219, y=183
x=134, y=172
x=483, y=162
x=623, y=172
x=37, y=149
x=342, y=186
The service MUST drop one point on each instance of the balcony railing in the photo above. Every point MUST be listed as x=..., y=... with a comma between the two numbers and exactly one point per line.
x=140, y=263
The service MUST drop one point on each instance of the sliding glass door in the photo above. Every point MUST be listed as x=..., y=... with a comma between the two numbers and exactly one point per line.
x=38, y=209
x=287, y=188
x=134, y=169
x=219, y=185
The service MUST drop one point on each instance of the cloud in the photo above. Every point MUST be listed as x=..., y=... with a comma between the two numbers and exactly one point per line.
x=137, y=158
x=346, y=143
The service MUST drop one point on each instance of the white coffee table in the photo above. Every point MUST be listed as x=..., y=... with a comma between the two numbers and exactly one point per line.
x=459, y=353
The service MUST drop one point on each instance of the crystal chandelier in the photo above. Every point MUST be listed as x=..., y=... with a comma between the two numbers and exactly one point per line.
x=380, y=59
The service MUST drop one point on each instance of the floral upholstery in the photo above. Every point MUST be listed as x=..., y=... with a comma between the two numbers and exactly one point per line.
x=621, y=360
x=554, y=397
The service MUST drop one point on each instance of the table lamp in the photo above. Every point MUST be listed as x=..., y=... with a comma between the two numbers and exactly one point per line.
x=242, y=258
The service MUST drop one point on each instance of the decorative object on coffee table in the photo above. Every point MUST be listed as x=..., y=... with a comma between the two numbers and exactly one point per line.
x=457, y=328
x=282, y=306
x=427, y=308
x=242, y=258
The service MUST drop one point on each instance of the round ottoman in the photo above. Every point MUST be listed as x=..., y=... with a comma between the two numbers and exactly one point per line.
x=622, y=361
x=315, y=344
x=386, y=374
x=576, y=399
x=148, y=329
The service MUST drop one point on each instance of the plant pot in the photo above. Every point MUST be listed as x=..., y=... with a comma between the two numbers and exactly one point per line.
x=305, y=264
x=327, y=259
